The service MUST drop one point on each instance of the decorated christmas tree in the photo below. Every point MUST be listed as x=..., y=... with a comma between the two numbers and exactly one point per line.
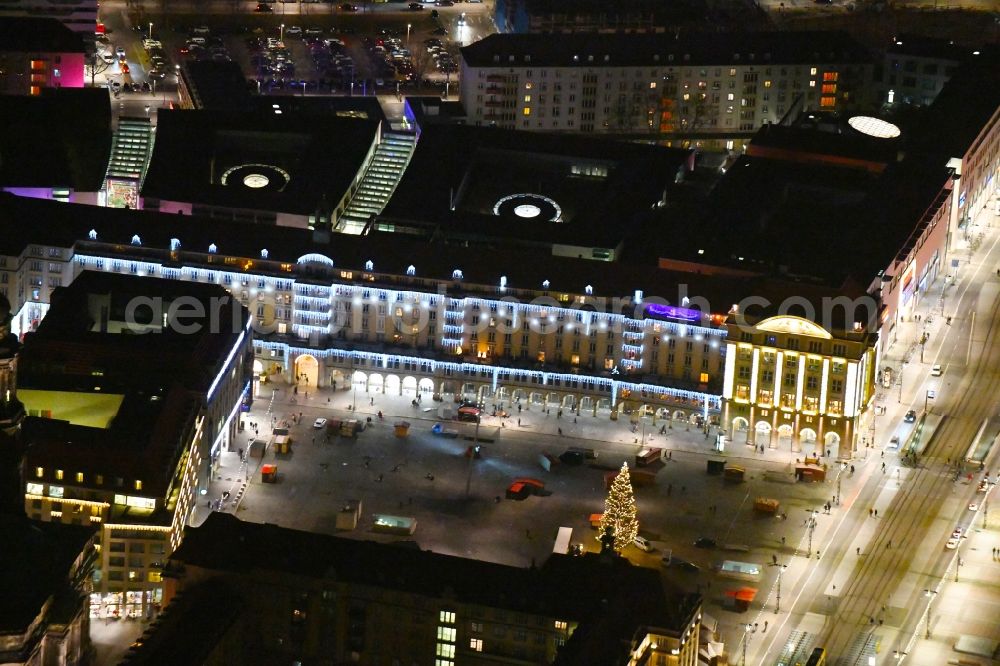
x=619, y=511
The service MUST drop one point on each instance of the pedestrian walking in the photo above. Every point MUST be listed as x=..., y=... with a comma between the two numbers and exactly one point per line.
x=765, y=625
x=372, y=403
x=519, y=422
x=560, y=432
x=888, y=544
x=876, y=512
x=858, y=551
x=782, y=541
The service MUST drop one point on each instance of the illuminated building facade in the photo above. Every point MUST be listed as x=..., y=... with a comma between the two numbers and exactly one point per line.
x=387, y=604
x=792, y=384
x=724, y=86
x=125, y=418
x=39, y=53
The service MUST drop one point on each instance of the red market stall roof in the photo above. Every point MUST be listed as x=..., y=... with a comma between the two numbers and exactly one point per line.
x=746, y=594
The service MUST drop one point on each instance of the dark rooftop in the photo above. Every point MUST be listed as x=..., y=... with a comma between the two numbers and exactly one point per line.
x=74, y=350
x=217, y=85
x=36, y=562
x=460, y=180
x=636, y=594
x=59, y=139
x=623, y=50
x=929, y=47
x=962, y=109
x=42, y=35
x=840, y=146
x=202, y=157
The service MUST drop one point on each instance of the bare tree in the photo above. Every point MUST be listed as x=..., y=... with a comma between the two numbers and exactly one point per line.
x=95, y=65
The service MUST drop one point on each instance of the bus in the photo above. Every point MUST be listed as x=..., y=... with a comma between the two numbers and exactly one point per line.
x=562, y=540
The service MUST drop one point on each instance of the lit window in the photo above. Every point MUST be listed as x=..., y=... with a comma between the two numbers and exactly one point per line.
x=35, y=488
x=39, y=472
x=732, y=71
x=560, y=625
x=79, y=477
x=59, y=475
x=652, y=85
x=812, y=84
x=529, y=85
x=730, y=97
x=446, y=650
x=448, y=617
x=527, y=110
x=99, y=479
x=154, y=577
x=686, y=97
x=138, y=484
x=527, y=99
x=443, y=662
x=56, y=491
x=131, y=575
x=827, y=102
x=446, y=634
x=476, y=644
x=812, y=71
x=767, y=84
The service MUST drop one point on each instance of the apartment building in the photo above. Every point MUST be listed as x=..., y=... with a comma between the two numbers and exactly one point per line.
x=38, y=53
x=388, y=604
x=127, y=407
x=684, y=87
x=79, y=16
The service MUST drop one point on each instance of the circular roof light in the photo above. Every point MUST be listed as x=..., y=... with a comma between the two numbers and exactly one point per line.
x=874, y=127
x=256, y=180
x=527, y=210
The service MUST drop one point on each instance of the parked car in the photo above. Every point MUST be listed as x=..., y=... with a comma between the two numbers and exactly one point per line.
x=936, y=370
x=893, y=443
x=704, y=542
x=415, y=6
x=319, y=423
x=293, y=31
x=120, y=52
x=642, y=543
x=910, y=416
x=263, y=8
x=347, y=7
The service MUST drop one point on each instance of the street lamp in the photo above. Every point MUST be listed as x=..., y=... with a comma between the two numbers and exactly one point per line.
x=930, y=594
x=812, y=528
x=281, y=33
x=781, y=570
x=408, y=26
x=749, y=629
x=150, y=35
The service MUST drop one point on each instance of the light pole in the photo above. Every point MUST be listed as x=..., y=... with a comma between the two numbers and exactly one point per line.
x=281, y=33
x=408, y=26
x=930, y=594
x=781, y=570
x=150, y=35
x=812, y=528
x=749, y=629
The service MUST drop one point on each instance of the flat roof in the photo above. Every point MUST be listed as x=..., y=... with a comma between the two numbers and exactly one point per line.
x=614, y=586
x=61, y=138
x=38, y=560
x=38, y=34
x=205, y=156
x=149, y=386
x=671, y=49
x=467, y=182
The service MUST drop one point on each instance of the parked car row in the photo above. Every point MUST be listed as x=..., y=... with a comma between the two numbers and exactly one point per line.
x=202, y=45
x=270, y=57
x=391, y=58
x=443, y=60
x=330, y=59
x=159, y=64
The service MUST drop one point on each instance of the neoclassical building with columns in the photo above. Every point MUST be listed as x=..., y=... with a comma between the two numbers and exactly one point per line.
x=791, y=383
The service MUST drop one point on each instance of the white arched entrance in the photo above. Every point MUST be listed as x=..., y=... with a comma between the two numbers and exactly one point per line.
x=359, y=381
x=807, y=438
x=410, y=385
x=785, y=433
x=741, y=431
x=307, y=370
x=426, y=385
x=832, y=442
x=392, y=385
x=376, y=382
x=762, y=434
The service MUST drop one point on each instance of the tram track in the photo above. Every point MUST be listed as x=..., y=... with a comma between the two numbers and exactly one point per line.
x=915, y=508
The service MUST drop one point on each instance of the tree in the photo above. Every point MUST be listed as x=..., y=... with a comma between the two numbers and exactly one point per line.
x=620, y=512
x=95, y=65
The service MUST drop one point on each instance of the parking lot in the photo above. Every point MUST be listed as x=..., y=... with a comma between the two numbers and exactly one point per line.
x=342, y=52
